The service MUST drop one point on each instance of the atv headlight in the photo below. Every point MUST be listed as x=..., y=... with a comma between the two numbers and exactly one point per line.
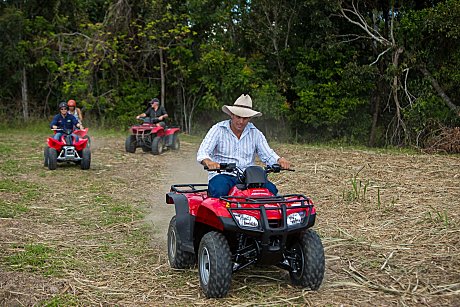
x=295, y=218
x=245, y=220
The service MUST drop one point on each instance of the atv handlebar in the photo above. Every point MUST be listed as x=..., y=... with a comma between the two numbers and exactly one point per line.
x=231, y=167
x=65, y=131
x=150, y=120
x=224, y=167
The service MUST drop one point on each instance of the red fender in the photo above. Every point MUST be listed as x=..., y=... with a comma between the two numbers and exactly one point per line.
x=81, y=133
x=172, y=131
x=81, y=144
x=52, y=143
x=210, y=210
x=159, y=131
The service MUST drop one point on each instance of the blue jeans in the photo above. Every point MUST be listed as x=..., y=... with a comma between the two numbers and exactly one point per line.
x=221, y=184
x=58, y=135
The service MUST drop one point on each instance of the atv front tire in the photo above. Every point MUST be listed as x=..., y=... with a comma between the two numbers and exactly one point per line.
x=309, y=263
x=130, y=144
x=178, y=258
x=45, y=156
x=85, y=159
x=157, y=145
x=88, y=144
x=52, y=158
x=214, y=265
x=175, y=142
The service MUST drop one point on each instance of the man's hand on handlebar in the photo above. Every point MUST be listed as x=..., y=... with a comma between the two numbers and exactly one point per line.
x=209, y=164
x=285, y=164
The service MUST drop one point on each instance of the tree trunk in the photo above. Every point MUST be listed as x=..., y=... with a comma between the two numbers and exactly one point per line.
x=25, y=99
x=376, y=98
x=395, y=89
x=162, y=73
x=440, y=91
x=375, y=115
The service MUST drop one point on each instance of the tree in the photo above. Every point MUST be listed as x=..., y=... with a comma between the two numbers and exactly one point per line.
x=390, y=39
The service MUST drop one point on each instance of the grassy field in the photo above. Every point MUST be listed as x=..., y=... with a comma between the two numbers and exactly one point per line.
x=389, y=222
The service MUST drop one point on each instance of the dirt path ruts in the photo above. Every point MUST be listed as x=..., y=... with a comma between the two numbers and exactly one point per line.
x=180, y=167
x=145, y=178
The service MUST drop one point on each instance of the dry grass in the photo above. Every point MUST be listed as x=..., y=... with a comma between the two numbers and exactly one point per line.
x=389, y=223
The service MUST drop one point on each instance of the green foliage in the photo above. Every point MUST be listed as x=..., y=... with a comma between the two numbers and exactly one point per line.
x=432, y=35
x=269, y=101
x=300, y=63
x=328, y=91
x=129, y=100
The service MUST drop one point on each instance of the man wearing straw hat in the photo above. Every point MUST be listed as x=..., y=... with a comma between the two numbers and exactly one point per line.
x=238, y=141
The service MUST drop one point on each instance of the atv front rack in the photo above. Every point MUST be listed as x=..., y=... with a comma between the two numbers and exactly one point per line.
x=286, y=199
x=284, y=202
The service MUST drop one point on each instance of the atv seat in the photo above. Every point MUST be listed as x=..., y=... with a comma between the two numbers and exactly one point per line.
x=241, y=186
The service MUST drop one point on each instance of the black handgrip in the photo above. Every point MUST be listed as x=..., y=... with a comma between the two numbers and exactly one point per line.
x=227, y=167
x=276, y=168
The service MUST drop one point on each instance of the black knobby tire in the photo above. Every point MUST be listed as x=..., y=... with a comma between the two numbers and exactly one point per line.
x=214, y=265
x=85, y=159
x=145, y=149
x=52, y=158
x=45, y=156
x=175, y=142
x=157, y=145
x=310, y=262
x=178, y=258
x=88, y=144
x=130, y=144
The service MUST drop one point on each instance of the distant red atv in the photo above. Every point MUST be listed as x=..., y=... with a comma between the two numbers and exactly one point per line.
x=249, y=226
x=152, y=138
x=68, y=149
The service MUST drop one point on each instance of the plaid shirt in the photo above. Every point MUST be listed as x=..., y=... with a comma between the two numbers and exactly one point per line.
x=222, y=146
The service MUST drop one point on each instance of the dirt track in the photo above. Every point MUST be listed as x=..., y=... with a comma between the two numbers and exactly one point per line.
x=390, y=225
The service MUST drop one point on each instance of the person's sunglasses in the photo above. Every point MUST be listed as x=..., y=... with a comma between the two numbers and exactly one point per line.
x=63, y=108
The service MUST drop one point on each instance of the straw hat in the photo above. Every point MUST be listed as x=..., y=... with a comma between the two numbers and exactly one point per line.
x=242, y=107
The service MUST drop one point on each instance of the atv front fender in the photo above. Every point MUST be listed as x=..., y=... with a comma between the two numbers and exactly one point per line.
x=52, y=143
x=185, y=222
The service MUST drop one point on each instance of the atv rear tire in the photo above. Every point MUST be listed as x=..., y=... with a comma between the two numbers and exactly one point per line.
x=178, y=258
x=85, y=159
x=310, y=263
x=45, y=156
x=175, y=142
x=157, y=145
x=214, y=265
x=130, y=144
x=52, y=158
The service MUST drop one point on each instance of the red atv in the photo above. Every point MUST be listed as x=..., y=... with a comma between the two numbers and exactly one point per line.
x=68, y=149
x=249, y=226
x=151, y=137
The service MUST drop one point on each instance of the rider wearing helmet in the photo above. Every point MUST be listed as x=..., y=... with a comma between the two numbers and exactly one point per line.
x=72, y=104
x=64, y=120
